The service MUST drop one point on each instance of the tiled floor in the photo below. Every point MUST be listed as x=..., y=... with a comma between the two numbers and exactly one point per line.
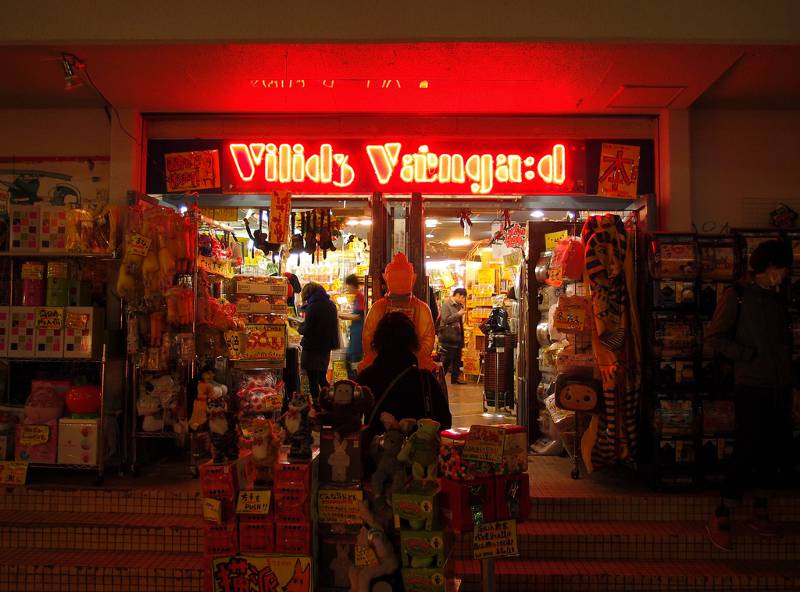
x=466, y=405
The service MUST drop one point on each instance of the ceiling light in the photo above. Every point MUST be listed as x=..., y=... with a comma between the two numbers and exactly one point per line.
x=459, y=242
x=71, y=65
x=537, y=214
x=429, y=236
x=352, y=222
x=431, y=223
x=365, y=222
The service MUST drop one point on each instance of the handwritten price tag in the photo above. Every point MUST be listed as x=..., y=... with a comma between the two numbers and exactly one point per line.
x=13, y=473
x=551, y=238
x=212, y=510
x=49, y=318
x=340, y=506
x=34, y=435
x=138, y=245
x=485, y=444
x=495, y=539
x=253, y=502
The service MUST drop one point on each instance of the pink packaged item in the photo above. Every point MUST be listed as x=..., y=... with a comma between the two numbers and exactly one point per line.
x=46, y=401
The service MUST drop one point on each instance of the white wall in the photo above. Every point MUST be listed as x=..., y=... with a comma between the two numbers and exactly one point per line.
x=54, y=132
x=743, y=164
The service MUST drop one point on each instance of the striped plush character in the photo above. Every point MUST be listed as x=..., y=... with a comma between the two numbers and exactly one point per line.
x=615, y=339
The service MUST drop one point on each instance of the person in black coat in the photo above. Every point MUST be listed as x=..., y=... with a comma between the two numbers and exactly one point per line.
x=320, y=331
x=416, y=393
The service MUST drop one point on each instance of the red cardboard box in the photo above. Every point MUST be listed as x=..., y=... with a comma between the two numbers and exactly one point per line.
x=293, y=538
x=221, y=539
x=225, y=481
x=512, y=496
x=292, y=502
x=459, y=498
x=515, y=450
x=294, y=472
x=340, y=461
x=256, y=534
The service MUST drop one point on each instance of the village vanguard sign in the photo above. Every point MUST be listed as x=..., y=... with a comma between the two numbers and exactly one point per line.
x=404, y=166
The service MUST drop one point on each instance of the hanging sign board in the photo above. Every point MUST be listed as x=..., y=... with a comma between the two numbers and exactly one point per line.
x=619, y=170
x=279, y=211
x=495, y=539
x=192, y=171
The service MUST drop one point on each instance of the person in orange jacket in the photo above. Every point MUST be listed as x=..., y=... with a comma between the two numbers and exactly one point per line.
x=399, y=275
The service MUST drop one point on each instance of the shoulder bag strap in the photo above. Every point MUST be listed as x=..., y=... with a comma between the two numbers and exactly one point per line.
x=386, y=393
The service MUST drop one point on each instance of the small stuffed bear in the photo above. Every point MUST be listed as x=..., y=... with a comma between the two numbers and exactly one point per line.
x=344, y=406
x=298, y=428
x=221, y=424
x=390, y=472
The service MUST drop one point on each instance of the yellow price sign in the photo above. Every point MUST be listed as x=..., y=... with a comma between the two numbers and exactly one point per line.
x=253, y=502
x=212, y=510
x=13, y=473
x=551, y=238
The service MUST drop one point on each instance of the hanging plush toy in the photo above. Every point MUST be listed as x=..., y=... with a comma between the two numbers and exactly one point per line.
x=260, y=238
x=325, y=235
x=297, y=237
x=390, y=473
x=311, y=234
x=221, y=424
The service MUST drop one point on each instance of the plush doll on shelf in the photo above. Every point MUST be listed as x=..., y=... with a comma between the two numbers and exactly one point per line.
x=344, y=406
x=222, y=424
x=298, y=428
x=149, y=406
x=421, y=450
x=199, y=409
x=390, y=473
x=385, y=561
x=265, y=444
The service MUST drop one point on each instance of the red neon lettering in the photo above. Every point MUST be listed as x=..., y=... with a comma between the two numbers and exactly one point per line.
x=384, y=158
x=243, y=161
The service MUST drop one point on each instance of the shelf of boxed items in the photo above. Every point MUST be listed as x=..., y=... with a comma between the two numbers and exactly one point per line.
x=675, y=358
x=49, y=320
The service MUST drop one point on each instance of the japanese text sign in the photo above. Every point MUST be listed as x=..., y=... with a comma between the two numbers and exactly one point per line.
x=484, y=443
x=619, y=170
x=49, y=318
x=13, y=473
x=190, y=171
x=339, y=506
x=495, y=539
x=253, y=502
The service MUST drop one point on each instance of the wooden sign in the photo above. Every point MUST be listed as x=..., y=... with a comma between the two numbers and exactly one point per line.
x=212, y=510
x=485, y=444
x=253, y=502
x=262, y=573
x=495, y=539
x=13, y=472
x=49, y=318
x=34, y=434
x=551, y=238
x=279, y=211
x=192, y=171
x=136, y=244
x=619, y=170
x=339, y=506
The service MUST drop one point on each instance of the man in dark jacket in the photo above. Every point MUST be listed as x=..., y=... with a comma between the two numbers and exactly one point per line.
x=320, y=331
x=451, y=333
x=751, y=328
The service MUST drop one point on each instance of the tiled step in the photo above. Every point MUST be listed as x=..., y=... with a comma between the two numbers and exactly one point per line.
x=123, y=501
x=642, y=541
x=101, y=531
x=31, y=570
x=660, y=508
x=634, y=576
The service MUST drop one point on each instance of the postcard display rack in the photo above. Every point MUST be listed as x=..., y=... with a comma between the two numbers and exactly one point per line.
x=55, y=264
x=691, y=407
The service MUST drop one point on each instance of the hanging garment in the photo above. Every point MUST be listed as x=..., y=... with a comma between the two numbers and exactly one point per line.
x=615, y=341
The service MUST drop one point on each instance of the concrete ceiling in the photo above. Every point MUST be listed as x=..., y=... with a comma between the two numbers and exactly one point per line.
x=428, y=78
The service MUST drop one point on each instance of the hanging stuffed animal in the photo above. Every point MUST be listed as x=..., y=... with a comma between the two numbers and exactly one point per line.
x=465, y=221
x=297, y=238
x=260, y=238
x=311, y=234
x=325, y=235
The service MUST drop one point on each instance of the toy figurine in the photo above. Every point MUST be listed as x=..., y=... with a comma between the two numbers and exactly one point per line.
x=387, y=563
x=221, y=424
x=344, y=406
x=389, y=471
x=298, y=427
x=422, y=450
x=266, y=442
x=199, y=409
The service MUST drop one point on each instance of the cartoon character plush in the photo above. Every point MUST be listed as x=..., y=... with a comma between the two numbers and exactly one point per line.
x=298, y=428
x=421, y=450
x=339, y=460
x=400, y=278
x=265, y=443
x=199, y=409
x=387, y=562
x=221, y=424
x=340, y=566
x=344, y=406
x=149, y=406
x=390, y=472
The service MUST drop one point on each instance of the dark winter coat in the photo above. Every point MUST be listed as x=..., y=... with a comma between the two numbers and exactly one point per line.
x=451, y=325
x=320, y=328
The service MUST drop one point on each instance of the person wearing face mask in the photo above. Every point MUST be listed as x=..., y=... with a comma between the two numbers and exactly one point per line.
x=750, y=328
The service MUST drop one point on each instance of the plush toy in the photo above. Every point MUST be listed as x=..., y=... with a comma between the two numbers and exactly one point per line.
x=298, y=427
x=149, y=406
x=421, y=450
x=400, y=278
x=389, y=472
x=199, y=409
x=339, y=460
x=387, y=562
x=344, y=405
x=265, y=442
x=221, y=424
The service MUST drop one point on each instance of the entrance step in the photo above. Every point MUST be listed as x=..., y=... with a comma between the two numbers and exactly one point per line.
x=31, y=570
x=669, y=541
x=101, y=531
x=635, y=576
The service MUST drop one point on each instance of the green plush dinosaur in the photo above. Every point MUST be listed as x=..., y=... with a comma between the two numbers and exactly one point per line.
x=422, y=450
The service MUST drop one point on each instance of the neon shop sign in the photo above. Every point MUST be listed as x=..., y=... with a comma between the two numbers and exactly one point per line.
x=402, y=167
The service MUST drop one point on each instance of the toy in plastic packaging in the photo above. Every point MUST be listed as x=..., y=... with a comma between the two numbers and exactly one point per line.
x=572, y=314
x=674, y=257
x=421, y=450
x=385, y=563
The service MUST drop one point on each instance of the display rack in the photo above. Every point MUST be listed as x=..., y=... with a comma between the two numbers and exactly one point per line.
x=67, y=350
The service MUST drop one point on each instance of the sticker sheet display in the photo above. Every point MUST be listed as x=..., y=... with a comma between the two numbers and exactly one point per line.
x=5, y=326
x=79, y=324
x=24, y=228
x=22, y=332
x=53, y=233
x=49, y=332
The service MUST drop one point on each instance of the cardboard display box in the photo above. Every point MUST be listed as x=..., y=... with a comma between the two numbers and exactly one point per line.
x=462, y=500
x=336, y=554
x=37, y=443
x=225, y=481
x=416, y=507
x=77, y=441
x=422, y=548
x=340, y=460
x=513, y=497
x=256, y=534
